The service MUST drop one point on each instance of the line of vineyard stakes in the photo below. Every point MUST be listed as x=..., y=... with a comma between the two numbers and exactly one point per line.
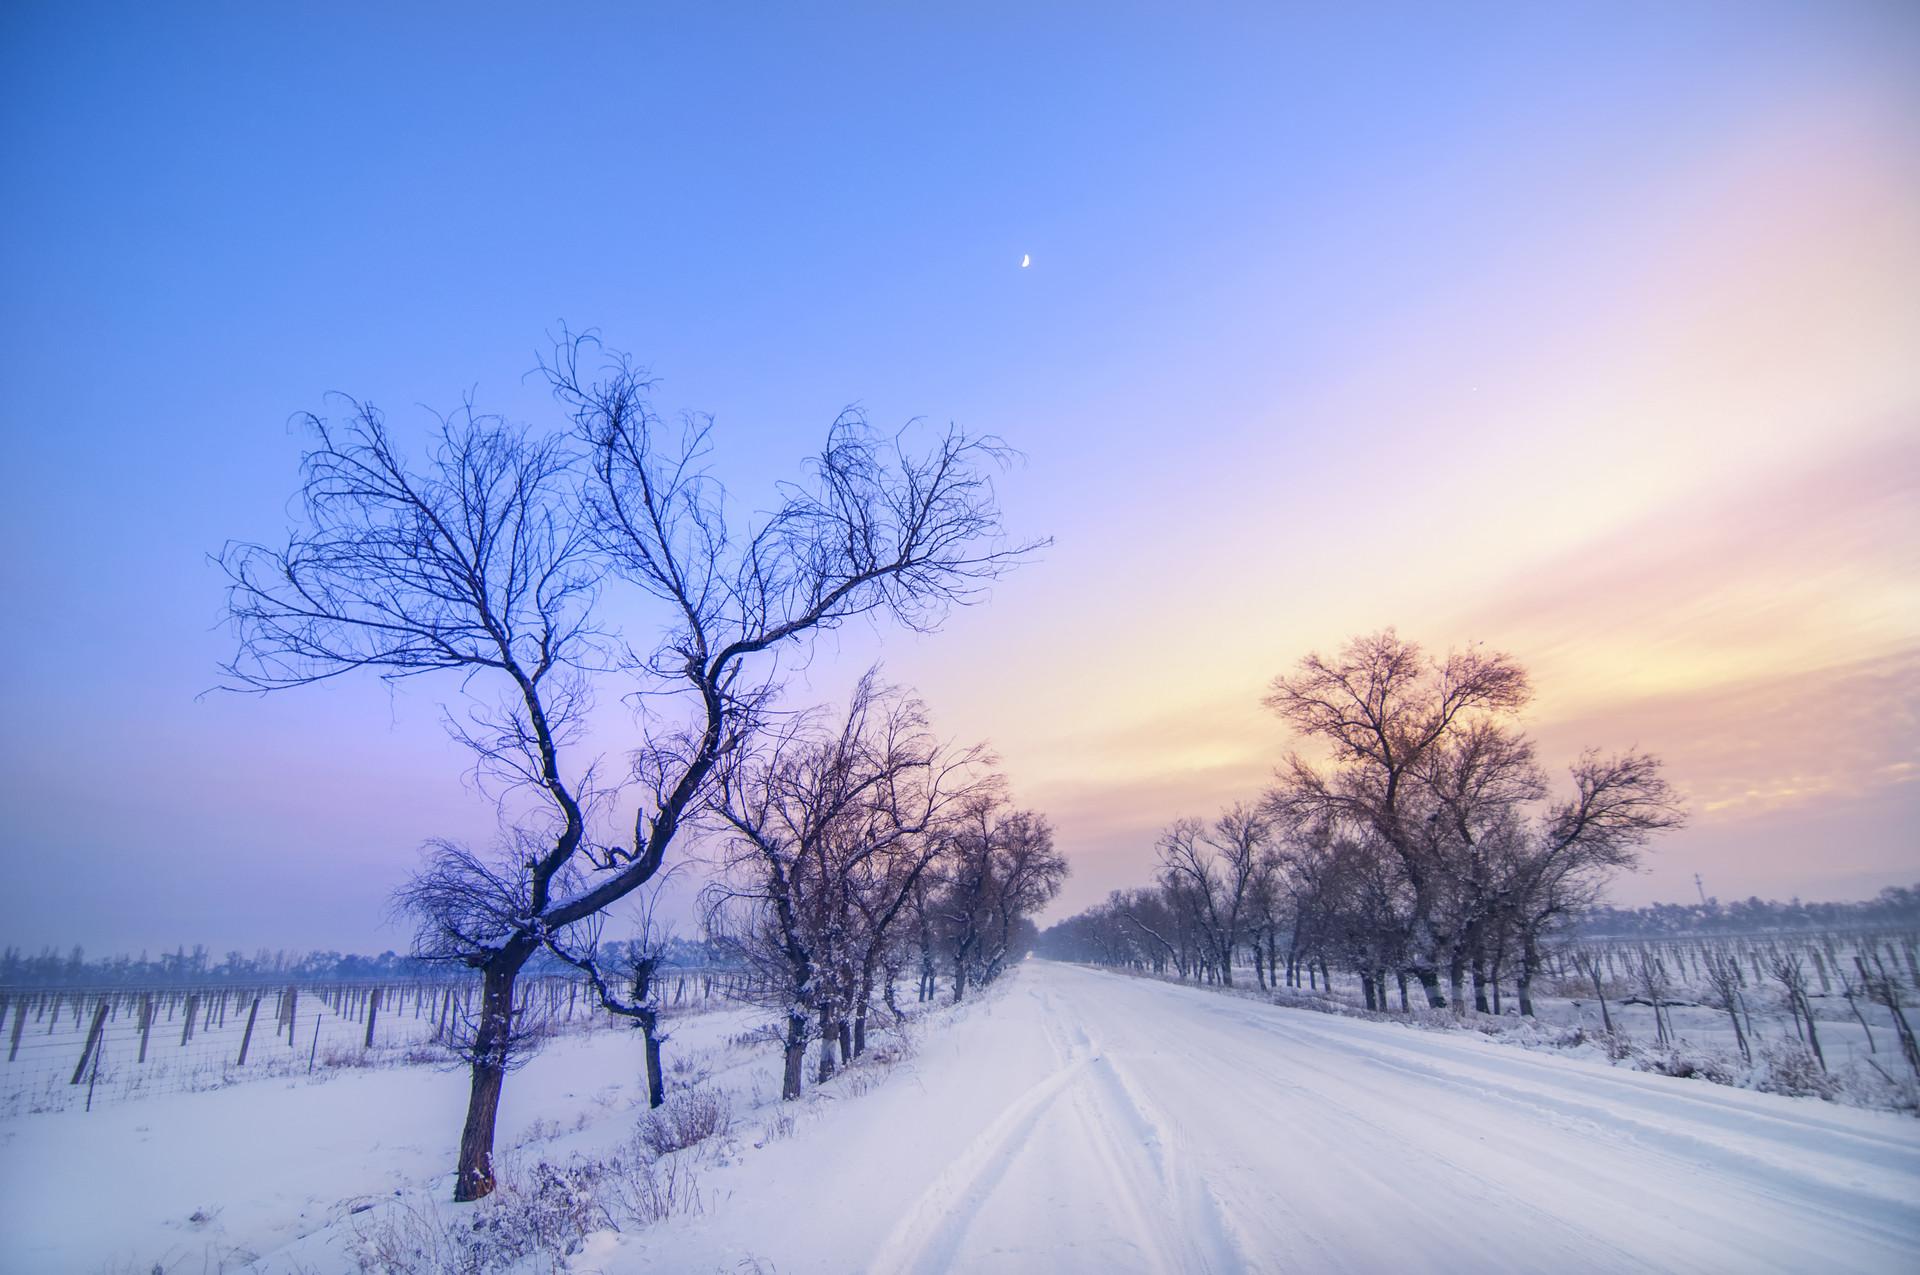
x=179, y=1012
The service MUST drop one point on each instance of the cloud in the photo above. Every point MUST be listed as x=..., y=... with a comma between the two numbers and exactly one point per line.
x=1815, y=568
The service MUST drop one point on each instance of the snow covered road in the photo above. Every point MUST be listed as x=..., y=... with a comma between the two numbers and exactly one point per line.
x=1083, y=1121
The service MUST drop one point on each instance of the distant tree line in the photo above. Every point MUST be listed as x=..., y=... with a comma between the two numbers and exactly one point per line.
x=196, y=966
x=1895, y=906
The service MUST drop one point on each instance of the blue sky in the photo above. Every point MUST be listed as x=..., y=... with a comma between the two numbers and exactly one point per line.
x=1337, y=317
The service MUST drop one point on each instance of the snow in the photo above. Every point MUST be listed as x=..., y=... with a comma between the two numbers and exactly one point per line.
x=1069, y=1120
x=266, y=1162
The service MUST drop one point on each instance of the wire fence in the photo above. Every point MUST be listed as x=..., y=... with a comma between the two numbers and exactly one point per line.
x=79, y=1047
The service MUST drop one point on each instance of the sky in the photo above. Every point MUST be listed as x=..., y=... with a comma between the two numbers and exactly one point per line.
x=1586, y=332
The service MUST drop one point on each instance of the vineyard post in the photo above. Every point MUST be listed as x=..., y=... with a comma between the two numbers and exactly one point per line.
x=93, y=1041
x=146, y=1024
x=246, y=1037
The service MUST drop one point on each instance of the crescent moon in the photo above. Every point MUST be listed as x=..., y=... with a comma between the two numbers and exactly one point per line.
x=1026, y=259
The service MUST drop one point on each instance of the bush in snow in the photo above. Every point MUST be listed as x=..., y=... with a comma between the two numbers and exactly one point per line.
x=1681, y=1060
x=542, y=1216
x=644, y=1193
x=686, y=1119
x=1789, y=1067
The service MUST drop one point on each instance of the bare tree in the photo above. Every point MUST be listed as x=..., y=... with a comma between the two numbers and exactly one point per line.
x=830, y=832
x=487, y=562
x=1618, y=805
x=1723, y=990
x=1002, y=870
x=1790, y=972
x=625, y=976
x=1384, y=710
x=1213, y=871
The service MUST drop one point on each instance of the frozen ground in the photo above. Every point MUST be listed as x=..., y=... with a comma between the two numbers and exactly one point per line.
x=1070, y=1121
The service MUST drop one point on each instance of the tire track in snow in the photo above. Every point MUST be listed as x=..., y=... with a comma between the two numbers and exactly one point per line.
x=1214, y=1243
x=1130, y=1200
x=931, y=1228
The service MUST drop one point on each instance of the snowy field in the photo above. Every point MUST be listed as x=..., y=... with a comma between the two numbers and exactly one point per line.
x=1070, y=1120
x=1858, y=1038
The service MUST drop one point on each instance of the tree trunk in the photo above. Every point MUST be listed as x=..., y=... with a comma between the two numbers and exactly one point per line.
x=828, y=1012
x=796, y=1057
x=1813, y=1035
x=1529, y=962
x=473, y=1178
x=1430, y=983
x=829, y=1036
x=1740, y=1037
x=656, y=1084
x=860, y=1006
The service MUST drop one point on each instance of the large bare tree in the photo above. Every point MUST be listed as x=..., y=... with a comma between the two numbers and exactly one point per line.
x=486, y=561
x=1384, y=710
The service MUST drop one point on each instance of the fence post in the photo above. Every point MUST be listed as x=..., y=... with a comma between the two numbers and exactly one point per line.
x=93, y=1041
x=146, y=1024
x=293, y=1017
x=315, y=1051
x=373, y=1011
x=186, y=1019
x=19, y=1021
x=246, y=1037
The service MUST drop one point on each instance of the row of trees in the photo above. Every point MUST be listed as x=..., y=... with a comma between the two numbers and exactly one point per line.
x=852, y=843
x=196, y=965
x=1897, y=906
x=497, y=563
x=1422, y=842
x=193, y=966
